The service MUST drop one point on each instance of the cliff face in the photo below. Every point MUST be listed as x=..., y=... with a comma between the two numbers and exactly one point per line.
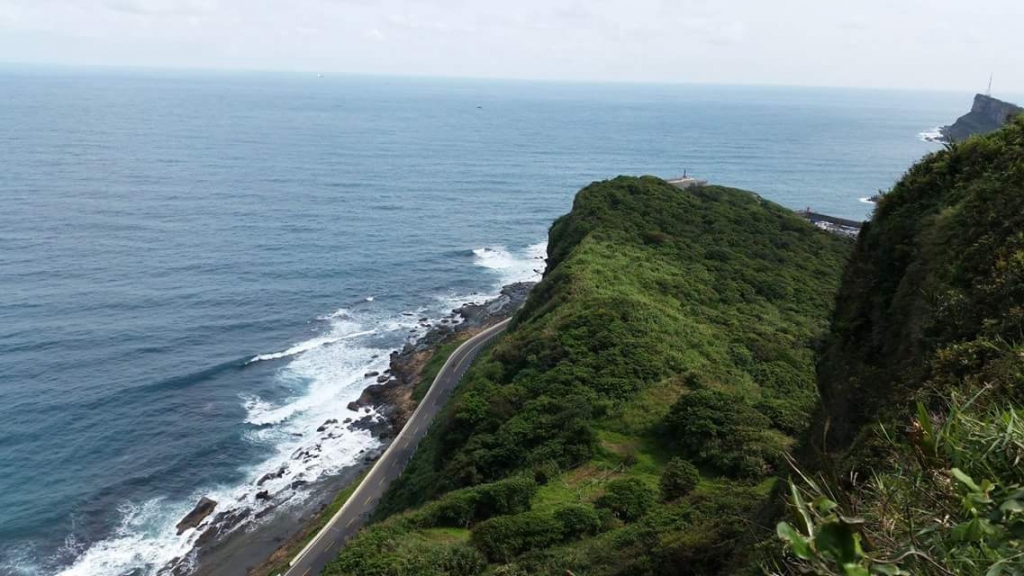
x=928, y=329
x=988, y=114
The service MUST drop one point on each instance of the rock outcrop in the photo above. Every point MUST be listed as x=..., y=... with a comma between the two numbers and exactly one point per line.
x=988, y=114
x=203, y=509
x=391, y=396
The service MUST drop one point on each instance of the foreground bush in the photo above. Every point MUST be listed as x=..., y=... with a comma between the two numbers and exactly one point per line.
x=915, y=461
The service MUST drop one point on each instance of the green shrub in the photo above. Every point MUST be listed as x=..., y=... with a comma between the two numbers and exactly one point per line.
x=578, y=521
x=501, y=538
x=391, y=550
x=678, y=479
x=462, y=508
x=627, y=498
x=720, y=429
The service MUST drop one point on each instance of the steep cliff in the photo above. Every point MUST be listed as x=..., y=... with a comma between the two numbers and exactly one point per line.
x=988, y=114
x=917, y=455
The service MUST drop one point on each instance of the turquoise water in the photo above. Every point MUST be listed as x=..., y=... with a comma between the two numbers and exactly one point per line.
x=197, y=269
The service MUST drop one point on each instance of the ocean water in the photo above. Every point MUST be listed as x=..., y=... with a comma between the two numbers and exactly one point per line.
x=196, y=269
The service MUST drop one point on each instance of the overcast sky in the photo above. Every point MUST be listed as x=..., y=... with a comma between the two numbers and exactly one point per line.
x=869, y=43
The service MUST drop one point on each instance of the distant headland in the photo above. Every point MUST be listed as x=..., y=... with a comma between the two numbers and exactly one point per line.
x=987, y=115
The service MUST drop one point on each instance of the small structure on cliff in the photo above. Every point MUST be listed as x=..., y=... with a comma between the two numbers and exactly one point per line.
x=685, y=181
x=987, y=114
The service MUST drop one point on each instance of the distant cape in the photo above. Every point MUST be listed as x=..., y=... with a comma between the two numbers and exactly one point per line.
x=987, y=114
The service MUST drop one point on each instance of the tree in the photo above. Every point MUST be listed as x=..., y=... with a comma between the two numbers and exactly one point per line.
x=679, y=478
x=628, y=499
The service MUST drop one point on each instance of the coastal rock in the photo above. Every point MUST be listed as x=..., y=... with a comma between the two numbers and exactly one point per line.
x=272, y=475
x=203, y=509
x=391, y=395
x=326, y=424
x=371, y=374
x=262, y=495
x=987, y=114
x=223, y=522
x=377, y=427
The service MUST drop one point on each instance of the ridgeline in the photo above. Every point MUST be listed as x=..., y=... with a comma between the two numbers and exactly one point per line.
x=637, y=412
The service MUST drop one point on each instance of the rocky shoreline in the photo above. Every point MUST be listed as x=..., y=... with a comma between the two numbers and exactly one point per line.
x=382, y=409
x=391, y=396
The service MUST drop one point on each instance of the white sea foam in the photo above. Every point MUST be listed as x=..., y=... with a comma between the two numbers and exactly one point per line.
x=933, y=135
x=328, y=371
x=307, y=346
x=524, y=266
x=342, y=313
x=145, y=536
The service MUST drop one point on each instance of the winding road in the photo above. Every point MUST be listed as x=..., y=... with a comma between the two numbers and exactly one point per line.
x=350, y=518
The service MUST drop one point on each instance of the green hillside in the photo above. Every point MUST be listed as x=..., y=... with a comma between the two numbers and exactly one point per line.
x=635, y=416
x=916, y=462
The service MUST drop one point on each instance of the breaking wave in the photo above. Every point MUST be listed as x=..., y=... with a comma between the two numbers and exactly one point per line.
x=327, y=371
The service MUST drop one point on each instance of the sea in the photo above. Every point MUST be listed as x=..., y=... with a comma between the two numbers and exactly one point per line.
x=198, y=268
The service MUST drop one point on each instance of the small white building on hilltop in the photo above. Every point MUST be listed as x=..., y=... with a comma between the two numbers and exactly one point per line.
x=685, y=181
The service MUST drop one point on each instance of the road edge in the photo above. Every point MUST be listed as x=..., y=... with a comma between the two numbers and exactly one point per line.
x=487, y=334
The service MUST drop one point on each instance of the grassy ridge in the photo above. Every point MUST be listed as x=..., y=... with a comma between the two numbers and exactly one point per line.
x=592, y=436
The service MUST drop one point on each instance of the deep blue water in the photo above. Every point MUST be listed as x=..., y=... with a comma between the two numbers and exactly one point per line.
x=160, y=230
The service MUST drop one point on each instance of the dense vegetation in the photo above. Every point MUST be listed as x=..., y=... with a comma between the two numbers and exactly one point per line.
x=633, y=419
x=916, y=462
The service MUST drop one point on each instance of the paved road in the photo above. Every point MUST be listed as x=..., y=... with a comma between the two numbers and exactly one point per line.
x=350, y=518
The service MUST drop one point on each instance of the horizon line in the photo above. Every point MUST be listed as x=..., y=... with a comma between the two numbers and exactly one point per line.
x=387, y=75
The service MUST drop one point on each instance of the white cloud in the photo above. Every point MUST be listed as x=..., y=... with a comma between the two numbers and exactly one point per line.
x=877, y=43
x=161, y=7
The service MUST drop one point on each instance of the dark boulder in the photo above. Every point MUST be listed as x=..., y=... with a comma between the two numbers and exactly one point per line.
x=272, y=475
x=203, y=509
x=223, y=522
x=326, y=424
